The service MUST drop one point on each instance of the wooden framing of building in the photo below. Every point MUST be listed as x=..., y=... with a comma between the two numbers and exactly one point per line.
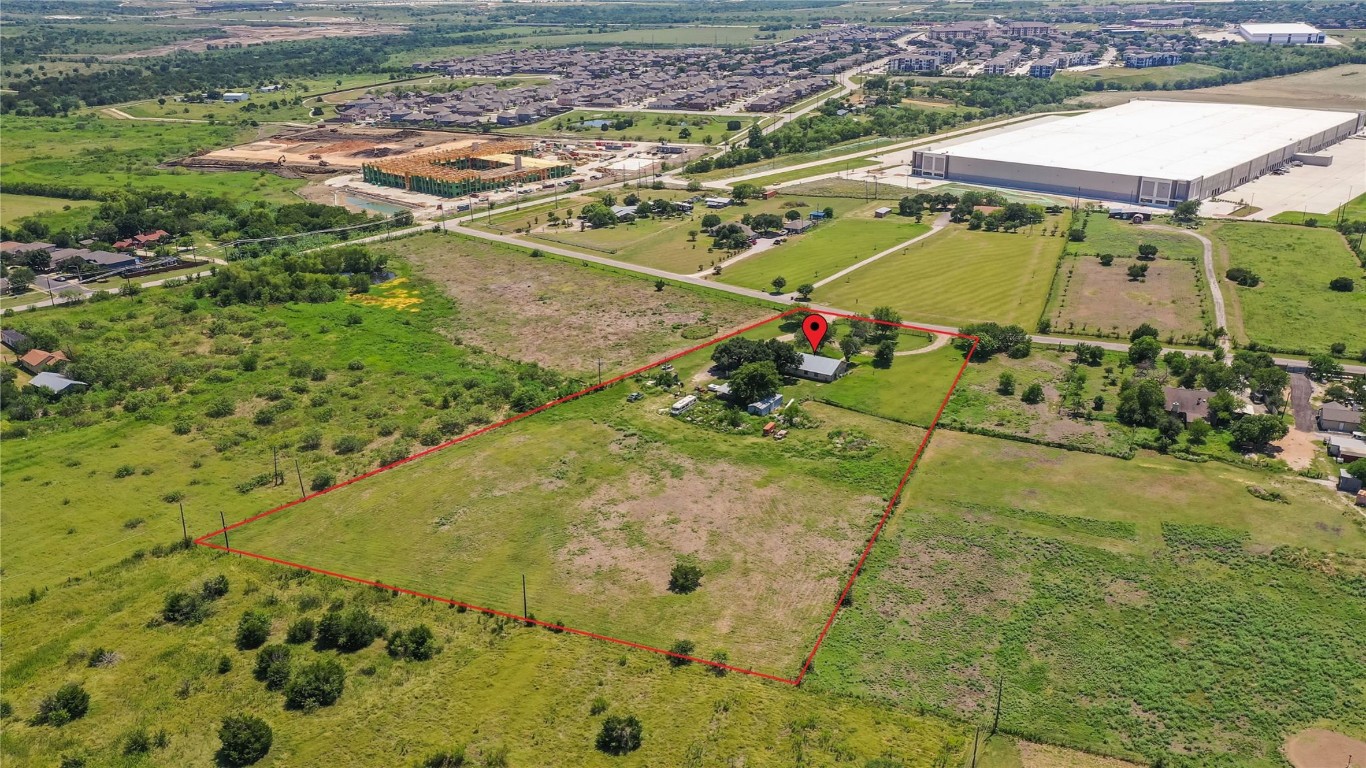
x=455, y=172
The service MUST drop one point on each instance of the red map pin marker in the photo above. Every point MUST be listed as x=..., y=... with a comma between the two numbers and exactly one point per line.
x=814, y=326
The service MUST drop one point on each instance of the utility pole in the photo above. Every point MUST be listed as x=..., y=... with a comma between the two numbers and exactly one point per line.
x=525, y=613
x=300, y=474
x=225, y=531
x=599, y=373
x=996, y=720
x=184, y=531
x=276, y=478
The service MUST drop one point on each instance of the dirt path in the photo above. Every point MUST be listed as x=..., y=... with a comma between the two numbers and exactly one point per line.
x=1297, y=449
x=1215, y=293
x=754, y=250
x=940, y=221
x=1301, y=389
x=1317, y=748
x=940, y=341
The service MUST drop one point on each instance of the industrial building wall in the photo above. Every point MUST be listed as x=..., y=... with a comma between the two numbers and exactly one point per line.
x=1242, y=173
x=1060, y=181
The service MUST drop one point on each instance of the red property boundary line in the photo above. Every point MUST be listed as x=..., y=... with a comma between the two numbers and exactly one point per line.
x=204, y=541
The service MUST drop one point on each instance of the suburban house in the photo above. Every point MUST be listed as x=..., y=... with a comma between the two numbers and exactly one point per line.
x=767, y=405
x=37, y=360
x=1345, y=449
x=23, y=249
x=17, y=342
x=56, y=383
x=818, y=368
x=1188, y=405
x=799, y=226
x=1336, y=417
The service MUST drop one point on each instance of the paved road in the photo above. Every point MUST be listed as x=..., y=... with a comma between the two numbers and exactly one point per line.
x=1301, y=389
x=1211, y=279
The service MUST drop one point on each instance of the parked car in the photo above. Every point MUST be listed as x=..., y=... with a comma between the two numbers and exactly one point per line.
x=633, y=397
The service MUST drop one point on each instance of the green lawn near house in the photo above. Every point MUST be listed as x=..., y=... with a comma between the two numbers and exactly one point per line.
x=815, y=170
x=1158, y=75
x=645, y=126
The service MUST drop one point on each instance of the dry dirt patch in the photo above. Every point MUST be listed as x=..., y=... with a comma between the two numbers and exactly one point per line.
x=1319, y=748
x=245, y=35
x=562, y=315
x=1044, y=756
x=1105, y=298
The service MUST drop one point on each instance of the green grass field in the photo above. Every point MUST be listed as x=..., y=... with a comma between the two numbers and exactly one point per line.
x=957, y=276
x=863, y=146
x=1293, y=307
x=911, y=390
x=108, y=154
x=648, y=126
x=1157, y=75
x=824, y=250
x=815, y=170
x=1120, y=238
x=1352, y=210
x=1108, y=613
x=14, y=207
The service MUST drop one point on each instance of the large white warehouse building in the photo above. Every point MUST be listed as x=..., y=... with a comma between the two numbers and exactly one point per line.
x=1149, y=152
x=1281, y=34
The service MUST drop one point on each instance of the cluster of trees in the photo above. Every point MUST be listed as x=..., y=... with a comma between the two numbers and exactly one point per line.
x=316, y=277
x=599, y=214
x=1009, y=217
x=58, y=94
x=994, y=339
x=755, y=367
x=993, y=95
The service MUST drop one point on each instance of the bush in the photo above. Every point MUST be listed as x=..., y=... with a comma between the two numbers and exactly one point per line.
x=1342, y=284
x=620, y=735
x=272, y=666
x=1076, y=234
x=452, y=759
x=137, y=742
x=70, y=702
x=416, y=644
x=1106, y=259
x=322, y=481
x=252, y=630
x=1005, y=385
x=349, y=444
x=311, y=440
x=301, y=631
x=220, y=408
x=214, y=587
x=685, y=578
x=1243, y=276
x=184, y=608
x=316, y=684
x=1033, y=394
x=349, y=631
x=681, y=648
x=125, y=470
x=224, y=664
x=245, y=739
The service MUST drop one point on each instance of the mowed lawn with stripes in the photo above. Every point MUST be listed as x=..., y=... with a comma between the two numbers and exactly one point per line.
x=956, y=277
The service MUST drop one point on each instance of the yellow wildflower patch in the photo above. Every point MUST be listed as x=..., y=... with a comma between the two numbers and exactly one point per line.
x=389, y=296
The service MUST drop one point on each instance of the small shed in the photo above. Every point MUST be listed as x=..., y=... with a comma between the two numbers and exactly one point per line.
x=234, y=96
x=1347, y=483
x=881, y=213
x=1337, y=417
x=816, y=215
x=17, y=342
x=766, y=406
x=56, y=383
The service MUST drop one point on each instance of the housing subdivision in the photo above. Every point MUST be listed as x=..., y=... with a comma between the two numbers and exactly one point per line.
x=478, y=168
x=1148, y=152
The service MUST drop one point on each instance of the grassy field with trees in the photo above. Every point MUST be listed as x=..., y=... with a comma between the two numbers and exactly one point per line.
x=1292, y=307
x=622, y=125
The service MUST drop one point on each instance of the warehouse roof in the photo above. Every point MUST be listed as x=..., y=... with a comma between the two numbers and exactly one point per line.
x=1158, y=139
x=1295, y=28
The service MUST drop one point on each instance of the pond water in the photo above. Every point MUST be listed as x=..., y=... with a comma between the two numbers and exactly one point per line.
x=374, y=206
x=600, y=122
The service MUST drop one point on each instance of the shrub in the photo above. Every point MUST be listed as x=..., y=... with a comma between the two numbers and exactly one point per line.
x=220, y=407
x=452, y=759
x=1106, y=259
x=322, y=481
x=598, y=706
x=620, y=735
x=184, y=608
x=349, y=444
x=1005, y=385
x=1243, y=276
x=1033, y=394
x=125, y=471
x=252, y=630
x=245, y=739
x=224, y=664
x=70, y=702
x=214, y=587
x=316, y=684
x=311, y=440
x=301, y=631
x=417, y=644
x=351, y=630
x=355, y=365
x=685, y=577
x=1076, y=234
x=1342, y=284
x=137, y=742
x=272, y=666
x=681, y=648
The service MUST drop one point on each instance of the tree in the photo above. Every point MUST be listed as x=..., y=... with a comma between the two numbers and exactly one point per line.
x=755, y=381
x=994, y=339
x=1142, y=404
x=779, y=283
x=1033, y=394
x=1137, y=271
x=746, y=191
x=885, y=354
x=805, y=290
x=692, y=235
x=886, y=318
x=1089, y=354
x=1145, y=350
x=1322, y=366
x=1257, y=430
x=20, y=278
x=1076, y=234
x=685, y=577
x=792, y=214
x=1146, y=329
x=1186, y=212
x=1198, y=431
x=1106, y=259
x=685, y=132
x=1222, y=406
x=1342, y=284
x=850, y=346
x=1243, y=276
x=620, y=735
x=767, y=222
x=829, y=213
x=1147, y=250
x=252, y=630
x=711, y=221
x=70, y=702
x=681, y=649
x=316, y=684
x=1357, y=469
x=245, y=739
x=416, y=644
x=1005, y=384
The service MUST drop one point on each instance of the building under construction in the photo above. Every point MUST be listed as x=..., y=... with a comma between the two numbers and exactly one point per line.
x=457, y=172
